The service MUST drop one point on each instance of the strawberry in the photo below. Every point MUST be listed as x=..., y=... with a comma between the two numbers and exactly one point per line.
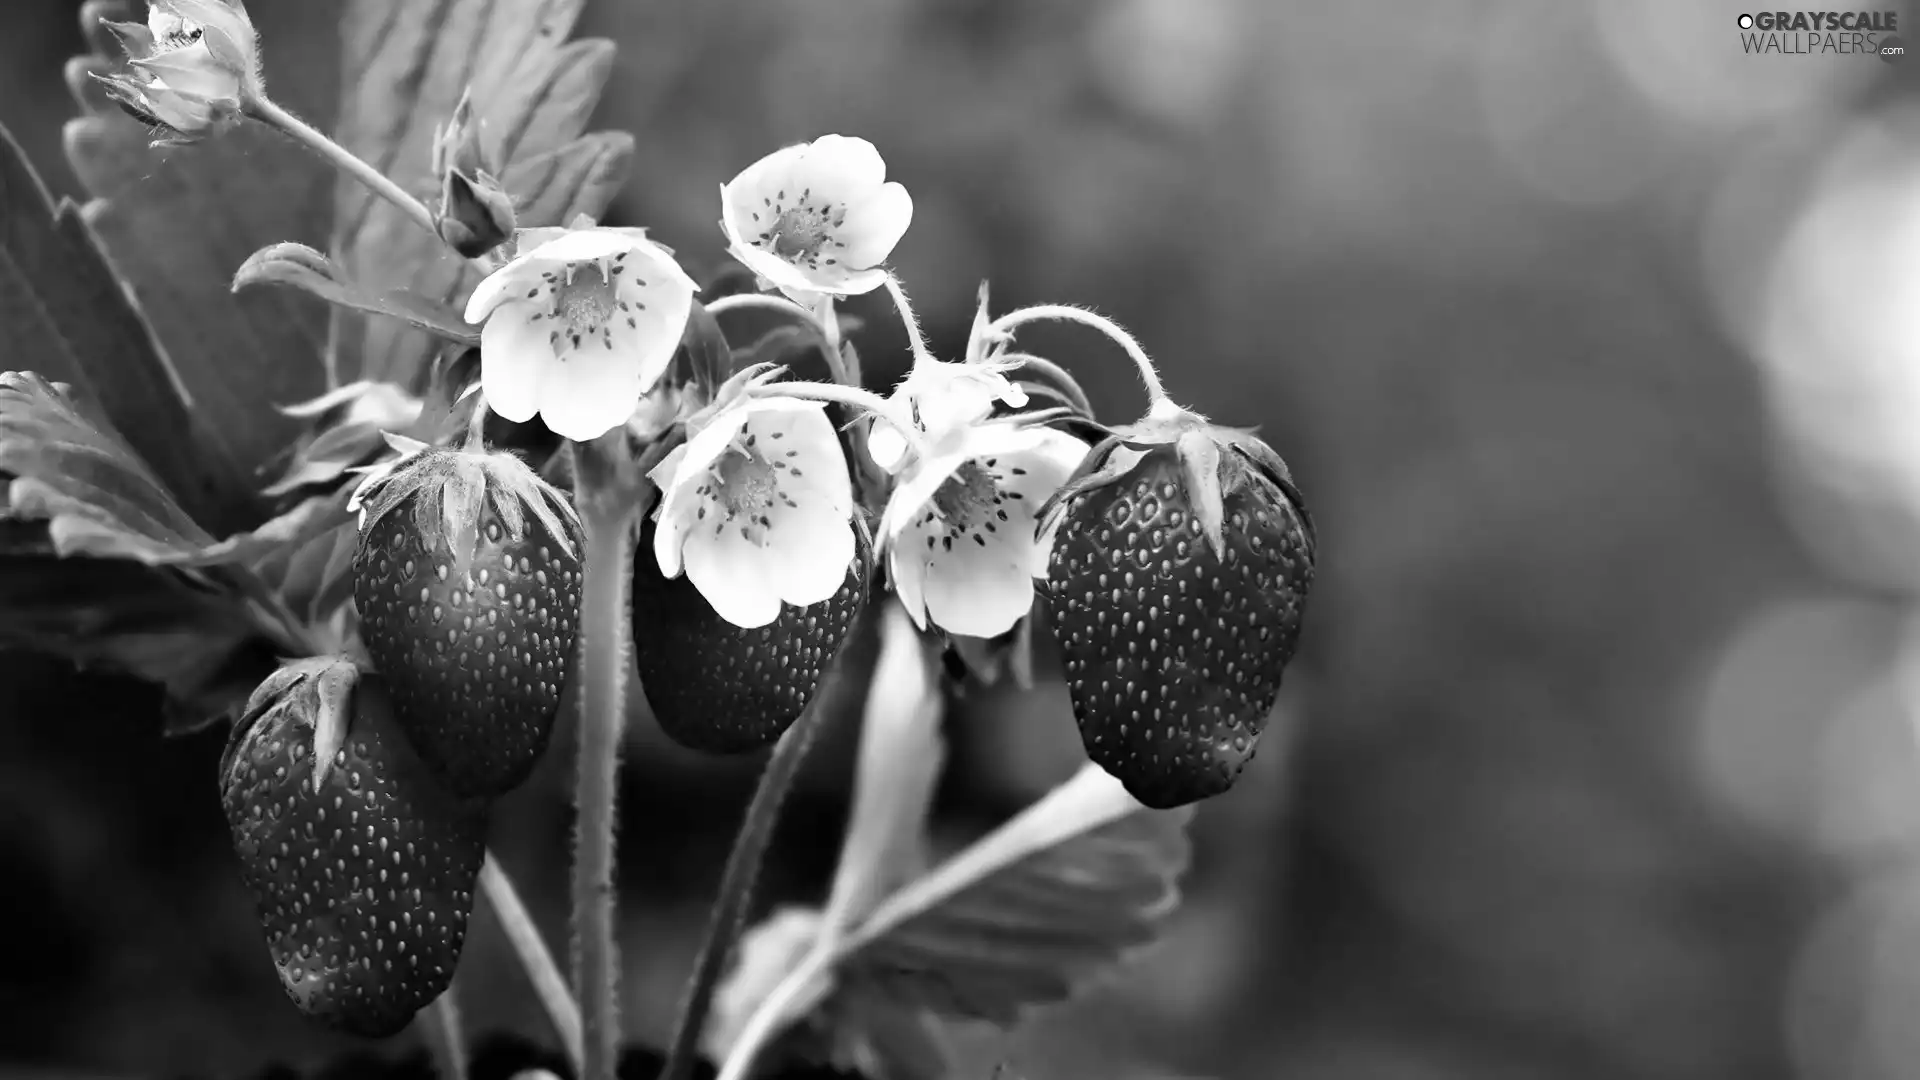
x=361, y=864
x=467, y=581
x=721, y=689
x=1181, y=560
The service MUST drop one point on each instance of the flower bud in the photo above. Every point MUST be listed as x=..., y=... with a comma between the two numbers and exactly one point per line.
x=476, y=213
x=191, y=68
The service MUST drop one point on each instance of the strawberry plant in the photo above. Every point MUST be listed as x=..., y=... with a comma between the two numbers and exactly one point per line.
x=384, y=506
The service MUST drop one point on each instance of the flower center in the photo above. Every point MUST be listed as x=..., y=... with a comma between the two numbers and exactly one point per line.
x=744, y=486
x=802, y=230
x=585, y=302
x=969, y=504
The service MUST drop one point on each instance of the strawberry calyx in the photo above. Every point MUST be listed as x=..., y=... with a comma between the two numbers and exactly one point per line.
x=319, y=688
x=1215, y=461
x=450, y=491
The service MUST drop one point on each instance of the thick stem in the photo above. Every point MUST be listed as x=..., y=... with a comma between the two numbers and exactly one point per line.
x=608, y=497
x=1156, y=394
x=265, y=111
x=441, y=1026
x=737, y=883
x=528, y=944
x=900, y=304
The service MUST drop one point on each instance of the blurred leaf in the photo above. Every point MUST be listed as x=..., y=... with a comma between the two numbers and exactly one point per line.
x=1034, y=912
x=407, y=64
x=72, y=470
x=63, y=313
x=176, y=222
x=304, y=268
x=152, y=623
x=875, y=1035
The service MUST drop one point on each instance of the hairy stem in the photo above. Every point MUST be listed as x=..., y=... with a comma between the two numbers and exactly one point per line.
x=1159, y=403
x=900, y=304
x=528, y=944
x=376, y=181
x=849, y=395
x=608, y=497
x=737, y=883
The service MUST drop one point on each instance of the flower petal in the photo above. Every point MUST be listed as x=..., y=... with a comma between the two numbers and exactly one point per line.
x=809, y=548
x=841, y=168
x=514, y=357
x=981, y=587
x=907, y=571
x=495, y=288
x=800, y=442
x=734, y=576
x=584, y=245
x=679, y=505
x=874, y=226
x=886, y=445
x=590, y=391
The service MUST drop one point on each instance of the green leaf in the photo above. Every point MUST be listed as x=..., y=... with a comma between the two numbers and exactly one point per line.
x=407, y=63
x=1026, y=916
x=304, y=268
x=70, y=469
x=63, y=313
x=988, y=945
x=176, y=222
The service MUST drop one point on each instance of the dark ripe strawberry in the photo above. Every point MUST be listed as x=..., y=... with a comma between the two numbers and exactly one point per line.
x=1181, y=561
x=467, y=581
x=721, y=689
x=362, y=872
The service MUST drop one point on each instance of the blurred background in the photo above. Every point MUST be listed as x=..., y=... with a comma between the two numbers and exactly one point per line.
x=1595, y=346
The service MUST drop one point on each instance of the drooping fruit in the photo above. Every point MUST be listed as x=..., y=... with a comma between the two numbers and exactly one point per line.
x=722, y=689
x=467, y=581
x=361, y=864
x=1181, y=561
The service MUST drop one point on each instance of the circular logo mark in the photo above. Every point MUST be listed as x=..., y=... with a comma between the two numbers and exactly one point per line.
x=1746, y=22
x=1892, y=50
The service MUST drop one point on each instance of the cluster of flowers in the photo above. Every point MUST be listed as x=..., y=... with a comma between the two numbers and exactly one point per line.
x=1174, y=556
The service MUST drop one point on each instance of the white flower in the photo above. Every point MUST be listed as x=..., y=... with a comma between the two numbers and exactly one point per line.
x=757, y=508
x=579, y=326
x=194, y=64
x=816, y=218
x=959, y=531
x=941, y=398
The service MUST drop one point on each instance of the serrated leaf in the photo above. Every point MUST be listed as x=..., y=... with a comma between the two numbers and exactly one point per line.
x=1033, y=913
x=304, y=268
x=175, y=223
x=63, y=313
x=408, y=63
x=1025, y=916
x=69, y=468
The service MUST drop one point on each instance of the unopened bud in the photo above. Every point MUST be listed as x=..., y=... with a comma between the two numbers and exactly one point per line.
x=191, y=68
x=475, y=213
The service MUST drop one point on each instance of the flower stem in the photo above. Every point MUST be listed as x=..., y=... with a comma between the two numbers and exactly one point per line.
x=763, y=301
x=737, y=883
x=825, y=319
x=441, y=1027
x=531, y=948
x=608, y=495
x=848, y=395
x=1156, y=393
x=271, y=114
x=1066, y=383
x=900, y=304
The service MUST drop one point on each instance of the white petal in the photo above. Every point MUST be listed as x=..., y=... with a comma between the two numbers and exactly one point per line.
x=840, y=168
x=907, y=571
x=704, y=448
x=679, y=503
x=915, y=490
x=874, y=226
x=810, y=465
x=514, y=358
x=885, y=445
x=808, y=550
x=510, y=280
x=780, y=273
x=657, y=318
x=734, y=575
x=584, y=245
x=981, y=586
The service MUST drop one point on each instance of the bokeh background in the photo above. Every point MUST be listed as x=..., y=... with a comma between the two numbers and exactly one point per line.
x=1595, y=345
